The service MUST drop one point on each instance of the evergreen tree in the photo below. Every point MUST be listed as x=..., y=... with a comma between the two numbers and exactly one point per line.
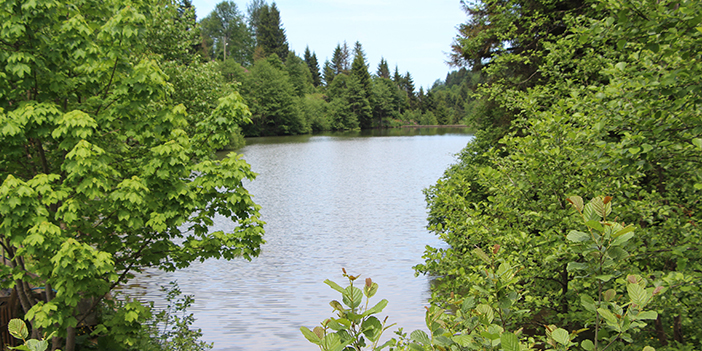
x=270, y=33
x=343, y=117
x=359, y=71
x=345, y=58
x=383, y=70
x=384, y=102
x=299, y=74
x=329, y=73
x=313, y=65
x=357, y=99
x=254, y=10
x=340, y=59
x=397, y=78
x=408, y=87
x=226, y=34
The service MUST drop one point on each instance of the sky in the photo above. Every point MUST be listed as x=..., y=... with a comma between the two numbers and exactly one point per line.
x=415, y=35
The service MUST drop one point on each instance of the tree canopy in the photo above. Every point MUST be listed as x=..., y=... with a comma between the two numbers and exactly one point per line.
x=103, y=173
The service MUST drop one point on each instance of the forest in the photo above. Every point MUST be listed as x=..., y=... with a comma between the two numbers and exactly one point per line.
x=570, y=221
x=290, y=93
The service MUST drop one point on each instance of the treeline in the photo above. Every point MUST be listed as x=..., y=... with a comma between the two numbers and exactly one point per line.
x=292, y=94
x=590, y=98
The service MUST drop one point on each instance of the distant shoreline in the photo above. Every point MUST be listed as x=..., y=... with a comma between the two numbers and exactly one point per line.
x=434, y=126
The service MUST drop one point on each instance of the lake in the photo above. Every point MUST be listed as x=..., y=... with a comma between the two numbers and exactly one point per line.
x=350, y=200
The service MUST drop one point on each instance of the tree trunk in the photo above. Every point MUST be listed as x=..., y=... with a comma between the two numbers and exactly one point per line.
x=70, y=339
x=660, y=331
x=677, y=329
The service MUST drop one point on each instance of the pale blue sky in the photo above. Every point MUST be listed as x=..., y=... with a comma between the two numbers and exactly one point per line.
x=415, y=35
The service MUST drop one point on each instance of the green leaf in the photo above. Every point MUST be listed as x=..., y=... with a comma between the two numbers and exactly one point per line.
x=637, y=294
x=372, y=329
x=596, y=225
x=510, y=342
x=482, y=255
x=588, y=303
x=607, y=315
x=578, y=236
x=621, y=239
x=697, y=142
x=609, y=295
x=577, y=202
x=577, y=266
x=647, y=315
x=561, y=336
x=353, y=296
x=587, y=345
x=18, y=328
x=377, y=308
x=330, y=342
x=485, y=313
x=419, y=336
x=334, y=286
x=37, y=345
x=463, y=339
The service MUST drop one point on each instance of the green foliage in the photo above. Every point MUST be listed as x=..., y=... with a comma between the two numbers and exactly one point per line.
x=617, y=113
x=356, y=325
x=226, y=35
x=270, y=93
x=270, y=35
x=97, y=160
x=18, y=329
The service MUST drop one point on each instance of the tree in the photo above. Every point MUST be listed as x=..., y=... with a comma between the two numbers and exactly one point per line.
x=174, y=33
x=254, y=10
x=619, y=116
x=363, y=97
x=228, y=37
x=271, y=95
x=340, y=59
x=299, y=74
x=383, y=70
x=329, y=73
x=507, y=41
x=270, y=34
x=97, y=163
x=313, y=65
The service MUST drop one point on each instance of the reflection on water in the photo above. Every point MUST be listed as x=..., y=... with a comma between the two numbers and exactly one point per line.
x=329, y=201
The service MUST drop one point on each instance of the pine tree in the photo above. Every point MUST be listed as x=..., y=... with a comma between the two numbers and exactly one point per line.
x=340, y=59
x=397, y=78
x=359, y=71
x=254, y=9
x=313, y=65
x=270, y=34
x=383, y=70
x=329, y=73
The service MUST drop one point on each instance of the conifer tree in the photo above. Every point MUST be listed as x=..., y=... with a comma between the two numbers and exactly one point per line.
x=313, y=65
x=270, y=34
x=254, y=10
x=397, y=78
x=360, y=75
x=383, y=70
x=329, y=73
x=340, y=59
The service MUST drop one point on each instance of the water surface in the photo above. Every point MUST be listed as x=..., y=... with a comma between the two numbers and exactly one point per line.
x=330, y=201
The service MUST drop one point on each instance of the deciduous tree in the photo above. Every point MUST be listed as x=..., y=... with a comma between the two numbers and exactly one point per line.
x=102, y=175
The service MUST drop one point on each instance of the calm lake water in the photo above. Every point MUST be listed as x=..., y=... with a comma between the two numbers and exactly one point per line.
x=330, y=201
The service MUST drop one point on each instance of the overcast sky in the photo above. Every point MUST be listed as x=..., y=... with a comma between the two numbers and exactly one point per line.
x=415, y=35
